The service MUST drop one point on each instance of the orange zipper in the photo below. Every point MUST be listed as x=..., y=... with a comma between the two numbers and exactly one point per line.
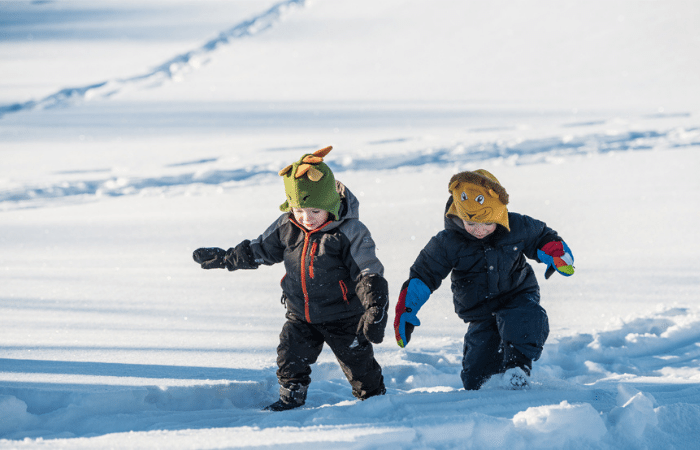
x=307, y=235
x=314, y=247
x=344, y=289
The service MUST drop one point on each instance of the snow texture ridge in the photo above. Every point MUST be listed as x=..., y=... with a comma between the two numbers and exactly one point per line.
x=172, y=69
x=212, y=171
x=569, y=401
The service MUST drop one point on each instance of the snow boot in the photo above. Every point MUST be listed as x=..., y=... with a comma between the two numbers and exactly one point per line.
x=381, y=390
x=516, y=379
x=516, y=369
x=292, y=397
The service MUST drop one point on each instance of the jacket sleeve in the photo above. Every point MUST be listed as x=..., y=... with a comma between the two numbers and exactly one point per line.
x=360, y=256
x=373, y=290
x=240, y=257
x=433, y=264
x=539, y=234
x=267, y=249
x=365, y=268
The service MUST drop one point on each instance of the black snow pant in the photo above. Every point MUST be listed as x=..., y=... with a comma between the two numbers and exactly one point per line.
x=301, y=344
x=513, y=336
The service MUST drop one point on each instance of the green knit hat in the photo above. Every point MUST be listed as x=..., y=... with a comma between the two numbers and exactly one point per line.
x=309, y=183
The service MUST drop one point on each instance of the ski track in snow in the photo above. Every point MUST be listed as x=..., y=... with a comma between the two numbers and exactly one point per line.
x=575, y=380
x=172, y=69
x=208, y=171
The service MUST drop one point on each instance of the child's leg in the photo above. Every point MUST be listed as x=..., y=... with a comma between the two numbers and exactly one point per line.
x=300, y=345
x=481, y=357
x=524, y=328
x=355, y=355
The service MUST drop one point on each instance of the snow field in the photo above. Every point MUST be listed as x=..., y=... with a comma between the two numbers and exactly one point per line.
x=161, y=127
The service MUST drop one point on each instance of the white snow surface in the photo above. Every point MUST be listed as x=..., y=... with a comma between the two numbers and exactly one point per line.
x=133, y=132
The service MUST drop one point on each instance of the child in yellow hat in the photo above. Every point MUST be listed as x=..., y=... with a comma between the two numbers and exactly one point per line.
x=494, y=288
x=334, y=289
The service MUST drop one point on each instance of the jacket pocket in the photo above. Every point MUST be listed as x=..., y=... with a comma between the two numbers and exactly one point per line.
x=512, y=251
x=468, y=289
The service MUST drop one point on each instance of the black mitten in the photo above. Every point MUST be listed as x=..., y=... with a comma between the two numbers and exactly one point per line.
x=373, y=323
x=210, y=257
x=241, y=257
x=238, y=257
x=373, y=292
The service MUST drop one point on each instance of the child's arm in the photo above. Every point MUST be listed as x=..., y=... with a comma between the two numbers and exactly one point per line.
x=414, y=294
x=373, y=292
x=371, y=286
x=266, y=249
x=427, y=272
x=550, y=249
x=238, y=257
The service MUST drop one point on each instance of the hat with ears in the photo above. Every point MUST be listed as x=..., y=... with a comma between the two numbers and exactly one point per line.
x=309, y=183
x=478, y=197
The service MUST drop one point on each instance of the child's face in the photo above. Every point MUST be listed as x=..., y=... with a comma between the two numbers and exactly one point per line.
x=310, y=218
x=479, y=230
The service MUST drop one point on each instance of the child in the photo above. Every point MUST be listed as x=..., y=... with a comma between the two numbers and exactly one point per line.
x=493, y=286
x=334, y=288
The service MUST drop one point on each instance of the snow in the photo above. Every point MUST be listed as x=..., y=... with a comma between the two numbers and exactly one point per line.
x=132, y=133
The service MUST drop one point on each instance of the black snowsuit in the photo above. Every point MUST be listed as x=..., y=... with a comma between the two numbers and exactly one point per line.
x=494, y=290
x=332, y=277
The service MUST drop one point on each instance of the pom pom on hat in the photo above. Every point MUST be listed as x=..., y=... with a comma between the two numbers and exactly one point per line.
x=309, y=183
x=478, y=197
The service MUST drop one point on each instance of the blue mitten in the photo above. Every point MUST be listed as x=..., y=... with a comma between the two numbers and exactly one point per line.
x=413, y=296
x=558, y=257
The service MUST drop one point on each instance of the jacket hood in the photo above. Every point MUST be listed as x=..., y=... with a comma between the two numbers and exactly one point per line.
x=349, y=206
x=452, y=222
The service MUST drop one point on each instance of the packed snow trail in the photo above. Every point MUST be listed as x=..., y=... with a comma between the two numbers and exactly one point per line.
x=211, y=171
x=172, y=69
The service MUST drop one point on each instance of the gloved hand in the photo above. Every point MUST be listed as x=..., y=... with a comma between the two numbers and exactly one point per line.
x=558, y=257
x=373, y=323
x=413, y=296
x=210, y=257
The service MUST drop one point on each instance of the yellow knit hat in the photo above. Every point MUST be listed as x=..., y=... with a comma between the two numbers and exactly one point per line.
x=478, y=197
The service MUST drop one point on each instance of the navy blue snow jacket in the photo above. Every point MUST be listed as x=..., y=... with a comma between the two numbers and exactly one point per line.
x=486, y=272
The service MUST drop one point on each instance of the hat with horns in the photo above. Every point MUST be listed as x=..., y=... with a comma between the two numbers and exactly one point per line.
x=309, y=183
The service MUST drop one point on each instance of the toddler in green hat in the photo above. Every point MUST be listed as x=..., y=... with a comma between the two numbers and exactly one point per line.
x=334, y=288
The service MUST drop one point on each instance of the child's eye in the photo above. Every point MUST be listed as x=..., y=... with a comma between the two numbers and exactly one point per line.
x=480, y=199
x=464, y=196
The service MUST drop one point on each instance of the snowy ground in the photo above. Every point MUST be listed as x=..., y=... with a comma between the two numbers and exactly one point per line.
x=134, y=132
